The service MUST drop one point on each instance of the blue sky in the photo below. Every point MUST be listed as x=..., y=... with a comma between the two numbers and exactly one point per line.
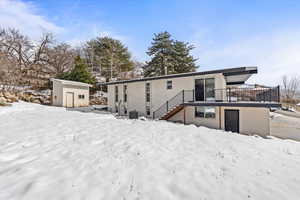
x=225, y=33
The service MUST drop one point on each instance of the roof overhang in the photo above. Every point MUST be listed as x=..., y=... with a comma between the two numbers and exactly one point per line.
x=66, y=82
x=239, y=77
x=232, y=75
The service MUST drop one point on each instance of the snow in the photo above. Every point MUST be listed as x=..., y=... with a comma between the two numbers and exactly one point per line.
x=52, y=153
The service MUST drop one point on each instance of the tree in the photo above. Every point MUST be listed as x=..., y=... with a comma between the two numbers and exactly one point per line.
x=169, y=56
x=60, y=58
x=161, y=51
x=290, y=86
x=79, y=73
x=108, y=56
x=183, y=61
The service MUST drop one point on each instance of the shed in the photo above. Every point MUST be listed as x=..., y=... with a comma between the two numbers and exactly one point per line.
x=70, y=93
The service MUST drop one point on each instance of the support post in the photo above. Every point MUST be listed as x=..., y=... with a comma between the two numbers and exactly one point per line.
x=182, y=96
x=184, y=115
x=167, y=106
x=278, y=93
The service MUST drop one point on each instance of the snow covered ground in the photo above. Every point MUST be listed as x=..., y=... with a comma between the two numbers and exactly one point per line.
x=286, y=127
x=51, y=153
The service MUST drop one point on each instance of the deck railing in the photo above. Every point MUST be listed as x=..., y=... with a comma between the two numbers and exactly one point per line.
x=262, y=94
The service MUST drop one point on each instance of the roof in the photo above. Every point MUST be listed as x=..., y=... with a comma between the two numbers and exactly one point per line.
x=66, y=82
x=246, y=72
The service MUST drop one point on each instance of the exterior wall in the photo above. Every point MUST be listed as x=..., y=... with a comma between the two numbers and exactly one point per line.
x=159, y=93
x=77, y=90
x=191, y=119
x=57, y=94
x=252, y=120
x=60, y=90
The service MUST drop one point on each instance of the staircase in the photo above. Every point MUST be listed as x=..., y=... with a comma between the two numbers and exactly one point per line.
x=174, y=105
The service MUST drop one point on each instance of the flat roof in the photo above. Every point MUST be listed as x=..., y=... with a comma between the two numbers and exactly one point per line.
x=67, y=82
x=226, y=72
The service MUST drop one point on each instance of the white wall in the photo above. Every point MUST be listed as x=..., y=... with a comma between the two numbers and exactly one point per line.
x=253, y=120
x=60, y=90
x=159, y=93
x=57, y=94
x=77, y=90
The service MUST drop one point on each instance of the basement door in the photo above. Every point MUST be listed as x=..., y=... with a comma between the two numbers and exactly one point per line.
x=232, y=122
x=70, y=99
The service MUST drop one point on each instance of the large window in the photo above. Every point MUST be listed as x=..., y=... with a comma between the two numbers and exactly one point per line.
x=116, y=94
x=169, y=85
x=147, y=90
x=125, y=93
x=210, y=89
x=205, y=112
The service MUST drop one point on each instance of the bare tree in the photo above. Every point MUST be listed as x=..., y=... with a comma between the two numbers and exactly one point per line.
x=290, y=86
x=60, y=58
x=26, y=62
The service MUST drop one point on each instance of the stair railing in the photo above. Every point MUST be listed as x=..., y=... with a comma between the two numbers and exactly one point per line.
x=180, y=98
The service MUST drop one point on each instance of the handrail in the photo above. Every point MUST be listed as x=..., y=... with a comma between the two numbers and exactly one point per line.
x=270, y=94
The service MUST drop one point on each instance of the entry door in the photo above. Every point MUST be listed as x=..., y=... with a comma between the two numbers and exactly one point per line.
x=199, y=90
x=232, y=121
x=70, y=99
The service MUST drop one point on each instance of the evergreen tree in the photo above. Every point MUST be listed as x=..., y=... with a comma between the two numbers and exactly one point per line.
x=161, y=53
x=168, y=56
x=79, y=73
x=183, y=61
x=109, y=56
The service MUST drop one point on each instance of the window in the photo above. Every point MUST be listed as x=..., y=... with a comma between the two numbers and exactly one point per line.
x=210, y=89
x=205, y=112
x=147, y=110
x=147, y=88
x=81, y=96
x=125, y=110
x=169, y=85
x=125, y=93
x=116, y=94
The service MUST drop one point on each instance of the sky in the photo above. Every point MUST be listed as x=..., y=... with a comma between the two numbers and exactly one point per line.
x=225, y=33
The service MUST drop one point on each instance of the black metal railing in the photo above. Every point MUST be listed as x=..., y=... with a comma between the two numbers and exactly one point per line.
x=183, y=96
x=262, y=94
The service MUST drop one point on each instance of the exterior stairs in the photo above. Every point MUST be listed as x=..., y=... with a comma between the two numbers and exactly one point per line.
x=172, y=112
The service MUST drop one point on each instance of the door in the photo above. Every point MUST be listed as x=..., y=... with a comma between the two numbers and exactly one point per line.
x=232, y=121
x=199, y=90
x=70, y=99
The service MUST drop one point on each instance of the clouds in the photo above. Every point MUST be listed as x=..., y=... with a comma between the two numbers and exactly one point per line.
x=275, y=53
x=23, y=16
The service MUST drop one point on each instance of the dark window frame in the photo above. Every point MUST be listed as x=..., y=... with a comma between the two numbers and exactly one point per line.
x=169, y=85
x=116, y=93
x=125, y=93
x=148, y=92
x=203, y=112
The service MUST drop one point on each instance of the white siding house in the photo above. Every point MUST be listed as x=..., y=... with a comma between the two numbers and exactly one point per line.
x=216, y=99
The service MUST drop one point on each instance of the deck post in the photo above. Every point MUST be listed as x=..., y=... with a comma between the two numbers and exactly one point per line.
x=278, y=93
x=182, y=96
x=184, y=115
x=167, y=105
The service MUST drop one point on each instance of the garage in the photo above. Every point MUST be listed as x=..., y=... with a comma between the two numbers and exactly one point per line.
x=70, y=94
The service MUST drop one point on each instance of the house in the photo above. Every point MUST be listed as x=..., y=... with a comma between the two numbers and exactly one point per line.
x=216, y=99
x=70, y=93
